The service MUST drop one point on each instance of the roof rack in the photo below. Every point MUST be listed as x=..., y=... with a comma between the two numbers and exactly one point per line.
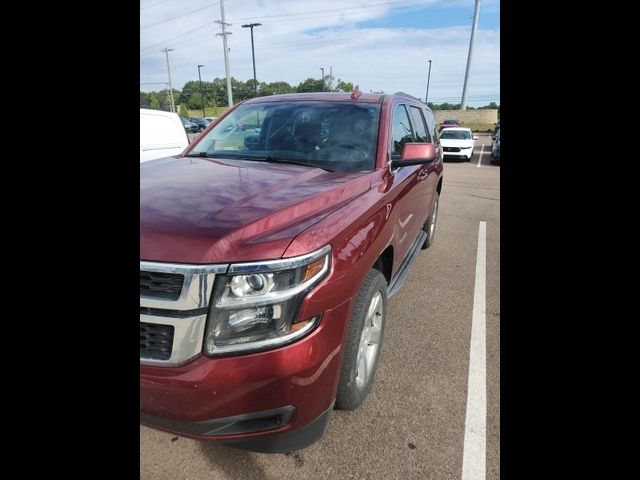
x=406, y=95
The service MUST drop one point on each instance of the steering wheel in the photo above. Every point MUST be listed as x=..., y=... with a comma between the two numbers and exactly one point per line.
x=356, y=149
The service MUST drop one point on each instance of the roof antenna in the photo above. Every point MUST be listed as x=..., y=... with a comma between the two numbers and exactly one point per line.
x=356, y=93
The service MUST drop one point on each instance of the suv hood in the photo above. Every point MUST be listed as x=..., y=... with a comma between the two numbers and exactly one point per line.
x=197, y=210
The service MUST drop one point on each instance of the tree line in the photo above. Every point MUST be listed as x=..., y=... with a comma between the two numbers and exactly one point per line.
x=215, y=93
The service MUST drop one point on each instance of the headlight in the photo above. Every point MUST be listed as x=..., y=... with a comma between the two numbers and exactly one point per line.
x=255, y=305
x=465, y=148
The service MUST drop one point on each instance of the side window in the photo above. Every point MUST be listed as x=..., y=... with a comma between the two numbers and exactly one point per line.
x=418, y=125
x=431, y=123
x=400, y=130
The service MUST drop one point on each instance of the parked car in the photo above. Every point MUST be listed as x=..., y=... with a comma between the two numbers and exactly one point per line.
x=449, y=124
x=161, y=135
x=189, y=126
x=202, y=123
x=211, y=119
x=457, y=143
x=495, y=148
x=267, y=258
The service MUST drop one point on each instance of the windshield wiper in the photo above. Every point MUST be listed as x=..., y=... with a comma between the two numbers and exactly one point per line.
x=276, y=159
x=198, y=154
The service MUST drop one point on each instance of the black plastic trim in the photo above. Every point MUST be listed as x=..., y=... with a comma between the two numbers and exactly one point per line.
x=288, y=441
x=246, y=423
x=398, y=280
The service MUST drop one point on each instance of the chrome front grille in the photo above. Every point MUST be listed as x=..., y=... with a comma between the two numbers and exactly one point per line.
x=174, y=302
x=161, y=285
x=156, y=341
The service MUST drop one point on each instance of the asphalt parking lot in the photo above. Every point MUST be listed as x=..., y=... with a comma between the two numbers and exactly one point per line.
x=413, y=424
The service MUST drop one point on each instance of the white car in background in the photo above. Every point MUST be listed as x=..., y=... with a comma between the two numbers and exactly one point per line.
x=457, y=142
x=161, y=135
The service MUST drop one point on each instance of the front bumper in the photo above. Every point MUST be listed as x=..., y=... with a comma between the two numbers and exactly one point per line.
x=270, y=395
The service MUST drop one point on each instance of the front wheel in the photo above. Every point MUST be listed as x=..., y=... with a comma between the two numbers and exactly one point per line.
x=364, y=338
x=429, y=226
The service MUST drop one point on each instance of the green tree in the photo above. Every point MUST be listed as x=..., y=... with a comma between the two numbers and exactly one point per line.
x=344, y=86
x=154, y=102
x=144, y=100
x=184, y=110
x=275, y=88
x=310, y=85
x=195, y=101
x=491, y=106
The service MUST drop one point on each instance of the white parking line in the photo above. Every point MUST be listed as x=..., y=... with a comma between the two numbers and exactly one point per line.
x=481, y=150
x=474, y=453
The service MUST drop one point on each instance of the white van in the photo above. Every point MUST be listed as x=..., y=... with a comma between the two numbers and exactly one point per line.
x=161, y=135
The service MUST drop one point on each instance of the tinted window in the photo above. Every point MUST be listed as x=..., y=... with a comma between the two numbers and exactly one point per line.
x=401, y=130
x=431, y=122
x=456, y=134
x=338, y=136
x=419, y=126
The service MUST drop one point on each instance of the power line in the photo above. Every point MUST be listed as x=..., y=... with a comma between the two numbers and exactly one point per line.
x=171, y=39
x=179, y=16
x=313, y=12
x=152, y=5
x=367, y=8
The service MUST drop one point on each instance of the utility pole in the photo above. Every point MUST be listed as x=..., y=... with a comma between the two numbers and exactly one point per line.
x=476, y=13
x=201, y=94
x=224, y=36
x=426, y=97
x=322, y=69
x=173, y=105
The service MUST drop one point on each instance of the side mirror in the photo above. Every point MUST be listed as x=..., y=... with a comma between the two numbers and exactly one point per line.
x=415, y=154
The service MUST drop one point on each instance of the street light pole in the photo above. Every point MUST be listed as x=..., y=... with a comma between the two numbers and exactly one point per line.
x=201, y=94
x=253, y=56
x=426, y=97
x=322, y=69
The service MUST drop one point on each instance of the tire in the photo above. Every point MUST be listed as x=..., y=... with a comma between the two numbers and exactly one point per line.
x=429, y=226
x=364, y=342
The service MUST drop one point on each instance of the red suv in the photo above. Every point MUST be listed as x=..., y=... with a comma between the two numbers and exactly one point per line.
x=268, y=254
x=449, y=123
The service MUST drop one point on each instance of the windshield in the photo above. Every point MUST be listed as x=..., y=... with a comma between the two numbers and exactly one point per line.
x=337, y=136
x=455, y=135
x=450, y=122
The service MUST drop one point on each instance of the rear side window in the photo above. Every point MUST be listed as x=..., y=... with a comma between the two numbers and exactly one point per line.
x=419, y=126
x=431, y=122
x=401, y=130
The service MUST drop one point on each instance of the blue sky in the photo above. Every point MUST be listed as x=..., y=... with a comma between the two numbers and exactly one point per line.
x=378, y=44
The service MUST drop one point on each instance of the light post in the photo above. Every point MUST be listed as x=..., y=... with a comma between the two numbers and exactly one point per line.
x=322, y=69
x=426, y=97
x=253, y=56
x=201, y=94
